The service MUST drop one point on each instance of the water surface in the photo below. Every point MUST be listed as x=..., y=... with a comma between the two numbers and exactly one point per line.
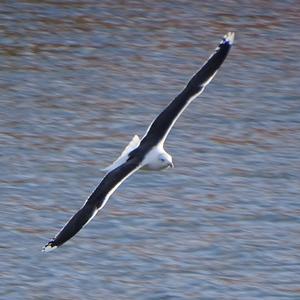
x=78, y=79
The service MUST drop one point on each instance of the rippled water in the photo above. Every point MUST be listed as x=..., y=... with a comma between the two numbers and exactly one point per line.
x=78, y=79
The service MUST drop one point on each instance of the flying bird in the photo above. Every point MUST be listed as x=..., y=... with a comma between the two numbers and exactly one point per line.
x=146, y=153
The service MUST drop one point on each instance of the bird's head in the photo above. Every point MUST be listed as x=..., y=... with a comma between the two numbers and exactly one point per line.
x=165, y=160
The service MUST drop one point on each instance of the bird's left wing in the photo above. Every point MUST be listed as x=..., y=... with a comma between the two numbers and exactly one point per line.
x=95, y=202
x=161, y=126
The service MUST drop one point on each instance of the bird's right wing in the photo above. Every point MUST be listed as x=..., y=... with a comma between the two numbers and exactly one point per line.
x=161, y=126
x=95, y=202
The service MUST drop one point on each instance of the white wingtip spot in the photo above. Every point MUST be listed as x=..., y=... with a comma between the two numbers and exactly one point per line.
x=229, y=37
x=48, y=248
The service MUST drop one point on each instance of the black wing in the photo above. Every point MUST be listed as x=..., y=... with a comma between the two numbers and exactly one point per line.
x=161, y=126
x=95, y=202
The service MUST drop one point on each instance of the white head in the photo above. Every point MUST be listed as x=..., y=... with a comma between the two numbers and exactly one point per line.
x=158, y=159
x=165, y=160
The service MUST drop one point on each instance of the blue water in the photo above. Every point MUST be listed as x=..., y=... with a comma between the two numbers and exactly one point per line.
x=78, y=79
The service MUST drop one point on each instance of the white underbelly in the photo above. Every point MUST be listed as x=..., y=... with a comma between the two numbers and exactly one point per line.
x=152, y=167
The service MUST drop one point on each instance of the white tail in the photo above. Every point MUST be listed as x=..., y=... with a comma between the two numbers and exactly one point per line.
x=133, y=144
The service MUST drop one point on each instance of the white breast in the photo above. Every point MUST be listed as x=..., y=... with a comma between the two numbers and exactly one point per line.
x=151, y=160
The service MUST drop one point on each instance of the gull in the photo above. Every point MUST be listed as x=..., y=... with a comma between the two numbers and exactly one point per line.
x=146, y=153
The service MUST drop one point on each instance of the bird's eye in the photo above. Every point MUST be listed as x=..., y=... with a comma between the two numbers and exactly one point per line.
x=162, y=159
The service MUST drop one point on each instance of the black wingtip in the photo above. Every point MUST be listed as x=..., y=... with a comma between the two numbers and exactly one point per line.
x=49, y=247
x=228, y=38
